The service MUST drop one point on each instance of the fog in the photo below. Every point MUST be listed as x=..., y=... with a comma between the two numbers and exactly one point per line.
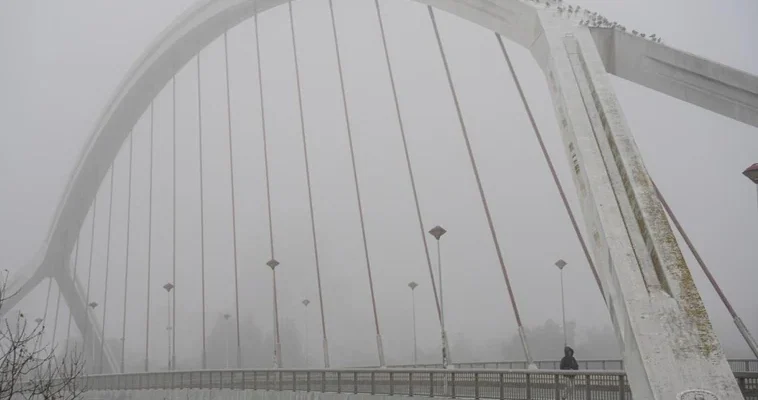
x=62, y=61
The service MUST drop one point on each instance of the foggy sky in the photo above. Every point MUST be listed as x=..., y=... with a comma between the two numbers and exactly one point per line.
x=62, y=62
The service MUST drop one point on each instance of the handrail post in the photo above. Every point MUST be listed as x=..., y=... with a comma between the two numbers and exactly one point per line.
x=622, y=389
x=452, y=383
x=502, y=389
x=528, y=386
x=410, y=384
x=392, y=385
x=373, y=382
x=280, y=380
x=339, y=382
x=268, y=385
x=308, y=381
x=431, y=384
x=355, y=382
x=323, y=381
x=587, y=389
x=556, y=381
x=476, y=385
x=294, y=381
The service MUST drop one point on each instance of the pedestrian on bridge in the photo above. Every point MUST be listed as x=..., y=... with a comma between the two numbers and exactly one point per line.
x=568, y=362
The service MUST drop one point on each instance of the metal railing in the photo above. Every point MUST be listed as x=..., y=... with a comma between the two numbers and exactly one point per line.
x=738, y=365
x=469, y=383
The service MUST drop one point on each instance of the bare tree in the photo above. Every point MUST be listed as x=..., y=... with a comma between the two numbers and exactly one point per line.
x=30, y=369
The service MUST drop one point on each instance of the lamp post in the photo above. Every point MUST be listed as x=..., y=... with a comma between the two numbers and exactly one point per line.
x=226, y=337
x=752, y=173
x=272, y=263
x=93, y=305
x=168, y=288
x=413, y=286
x=437, y=232
x=560, y=264
x=305, y=303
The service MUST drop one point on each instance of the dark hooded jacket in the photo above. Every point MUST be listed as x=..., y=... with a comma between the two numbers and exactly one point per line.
x=568, y=361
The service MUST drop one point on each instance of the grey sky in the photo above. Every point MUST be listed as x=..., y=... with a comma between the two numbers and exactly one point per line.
x=62, y=61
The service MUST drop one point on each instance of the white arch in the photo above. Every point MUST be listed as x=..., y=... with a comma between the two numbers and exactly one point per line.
x=668, y=342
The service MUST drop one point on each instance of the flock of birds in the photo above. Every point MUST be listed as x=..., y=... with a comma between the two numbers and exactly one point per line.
x=591, y=19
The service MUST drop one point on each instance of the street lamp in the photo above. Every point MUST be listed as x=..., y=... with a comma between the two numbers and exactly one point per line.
x=437, y=232
x=560, y=264
x=226, y=337
x=752, y=173
x=168, y=288
x=272, y=263
x=413, y=286
x=305, y=303
x=93, y=305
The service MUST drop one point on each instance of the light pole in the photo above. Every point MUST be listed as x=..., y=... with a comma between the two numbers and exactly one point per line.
x=272, y=263
x=752, y=173
x=168, y=288
x=93, y=305
x=413, y=286
x=226, y=337
x=437, y=232
x=305, y=303
x=560, y=264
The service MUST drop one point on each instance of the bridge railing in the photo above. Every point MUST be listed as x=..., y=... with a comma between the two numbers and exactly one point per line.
x=469, y=383
x=738, y=365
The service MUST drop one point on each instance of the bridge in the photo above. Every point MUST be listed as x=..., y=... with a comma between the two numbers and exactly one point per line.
x=171, y=124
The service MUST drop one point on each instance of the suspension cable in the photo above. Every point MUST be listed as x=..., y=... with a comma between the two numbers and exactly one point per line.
x=234, y=208
x=126, y=264
x=277, y=339
x=380, y=347
x=57, y=310
x=149, y=244
x=263, y=130
x=47, y=299
x=550, y=166
x=202, y=211
x=481, y=189
x=71, y=314
x=410, y=168
x=308, y=180
x=173, y=230
x=107, y=267
x=44, y=314
x=737, y=320
x=89, y=277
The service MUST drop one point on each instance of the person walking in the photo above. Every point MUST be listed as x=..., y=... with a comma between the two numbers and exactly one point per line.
x=568, y=362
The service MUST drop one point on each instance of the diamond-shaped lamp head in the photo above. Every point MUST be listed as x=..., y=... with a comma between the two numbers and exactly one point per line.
x=168, y=286
x=272, y=263
x=38, y=320
x=752, y=173
x=437, y=232
x=412, y=285
x=306, y=302
x=93, y=305
x=560, y=264
x=227, y=316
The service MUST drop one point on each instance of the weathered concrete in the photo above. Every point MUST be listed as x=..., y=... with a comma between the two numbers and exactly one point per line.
x=694, y=79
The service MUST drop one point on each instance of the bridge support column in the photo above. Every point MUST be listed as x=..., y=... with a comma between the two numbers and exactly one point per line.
x=668, y=343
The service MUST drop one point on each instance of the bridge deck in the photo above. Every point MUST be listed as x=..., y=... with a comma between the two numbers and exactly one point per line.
x=470, y=384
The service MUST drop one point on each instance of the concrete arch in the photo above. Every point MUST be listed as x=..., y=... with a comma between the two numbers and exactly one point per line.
x=178, y=44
